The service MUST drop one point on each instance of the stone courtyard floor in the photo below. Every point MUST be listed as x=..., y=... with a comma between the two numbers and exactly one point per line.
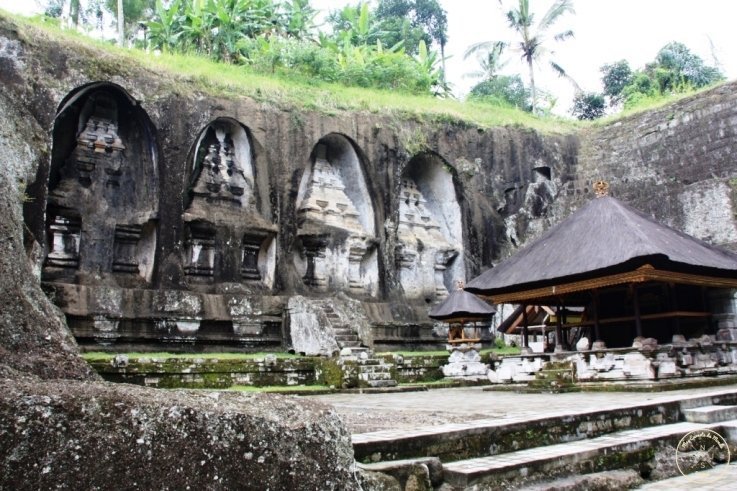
x=364, y=413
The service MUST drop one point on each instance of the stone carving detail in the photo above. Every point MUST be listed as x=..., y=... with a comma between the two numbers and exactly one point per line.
x=201, y=252
x=314, y=250
x=249, y=263
x=126, y=245
x=108, y=180
x=224, y=204
x=325, y=203
x=98, y=145
x=422, y=252
x=65, y=236
x=221, y=176
x=334, y=242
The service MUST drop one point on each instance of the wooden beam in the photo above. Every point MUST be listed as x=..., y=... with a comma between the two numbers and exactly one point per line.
x=525, y=333
x=640, y=275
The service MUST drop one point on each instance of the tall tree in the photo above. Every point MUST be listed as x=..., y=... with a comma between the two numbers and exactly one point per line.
x=489, y=58
x=121, y=23
x=533, y=37
x=615, y=77
x=411, y=21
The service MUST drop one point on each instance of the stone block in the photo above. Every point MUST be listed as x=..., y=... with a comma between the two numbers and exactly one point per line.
x=638, y=366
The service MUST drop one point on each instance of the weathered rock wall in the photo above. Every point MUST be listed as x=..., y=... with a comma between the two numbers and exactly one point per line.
x=504, y=180
x=677, y=163
x=484, y=163
x=67, y=434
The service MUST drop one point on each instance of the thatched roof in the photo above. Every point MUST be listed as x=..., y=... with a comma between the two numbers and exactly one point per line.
x=604, y=237
x=462, y=305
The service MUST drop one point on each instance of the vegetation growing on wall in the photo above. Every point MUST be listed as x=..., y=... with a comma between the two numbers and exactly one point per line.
x=675, y=72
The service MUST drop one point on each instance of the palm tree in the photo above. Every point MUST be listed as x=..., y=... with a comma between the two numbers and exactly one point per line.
x=489, y=58
x=532, y=40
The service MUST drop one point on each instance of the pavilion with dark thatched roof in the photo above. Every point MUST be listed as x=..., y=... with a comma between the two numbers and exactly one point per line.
x=460, y=308
x=633, y=275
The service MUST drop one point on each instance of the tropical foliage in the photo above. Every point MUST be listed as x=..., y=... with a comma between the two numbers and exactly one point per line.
x=588, y=105
x=280, y=37
x=499, y=90
x=532, y=37
x=675, y=70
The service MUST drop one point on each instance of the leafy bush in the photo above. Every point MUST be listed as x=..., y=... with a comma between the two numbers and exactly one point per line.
x=675, y=71
x=502, y=89
x=262, y=35
x=588, y=105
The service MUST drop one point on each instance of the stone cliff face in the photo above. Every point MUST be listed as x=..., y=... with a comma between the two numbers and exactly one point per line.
x=166, y=212
x=676, y=163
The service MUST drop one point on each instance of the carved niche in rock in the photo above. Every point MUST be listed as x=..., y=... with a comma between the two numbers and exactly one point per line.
x=102, y=204
x=429, y=250
x=336, y=235
x=230, y=238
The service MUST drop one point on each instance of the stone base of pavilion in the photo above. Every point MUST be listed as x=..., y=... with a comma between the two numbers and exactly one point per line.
x=645, y=360
x=464, y=362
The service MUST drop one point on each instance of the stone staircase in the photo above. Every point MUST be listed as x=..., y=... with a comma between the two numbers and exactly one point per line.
x=556, y=376
x=345, y=336
x=595, y=450
x=361, y=369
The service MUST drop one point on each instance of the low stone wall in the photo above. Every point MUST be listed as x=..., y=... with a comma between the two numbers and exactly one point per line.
x=411, y=369
x=694, y=358
x=220, y=373
x=211, y=373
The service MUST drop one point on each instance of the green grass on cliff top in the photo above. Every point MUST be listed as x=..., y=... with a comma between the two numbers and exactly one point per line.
x=194, y=73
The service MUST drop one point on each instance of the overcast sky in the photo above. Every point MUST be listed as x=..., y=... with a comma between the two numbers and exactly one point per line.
x=605, y=31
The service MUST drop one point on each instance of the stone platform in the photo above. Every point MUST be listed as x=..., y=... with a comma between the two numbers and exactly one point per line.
x=498, y=440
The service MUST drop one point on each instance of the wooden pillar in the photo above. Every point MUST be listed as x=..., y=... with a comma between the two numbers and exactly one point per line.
x=673, y=297
x=597, y=334
x=636, y=302
x=713, y=325
x=525, y=325
x=558, y=328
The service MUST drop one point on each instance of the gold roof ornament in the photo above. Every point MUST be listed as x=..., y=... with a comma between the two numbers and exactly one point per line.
x=601, y=189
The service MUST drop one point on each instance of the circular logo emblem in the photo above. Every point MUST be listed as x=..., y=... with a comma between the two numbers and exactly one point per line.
x=701, y=450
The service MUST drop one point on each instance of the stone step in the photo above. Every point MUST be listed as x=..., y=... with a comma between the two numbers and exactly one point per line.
x=372, y=365
x=710, y=414
x=482, y=437
x=612, y=451
x=375, y=376
x=382, y=383
x=349, y=344
x=350, y=352
x=346, y=337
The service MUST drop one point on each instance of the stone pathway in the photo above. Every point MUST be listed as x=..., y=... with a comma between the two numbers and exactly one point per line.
x=364, y=413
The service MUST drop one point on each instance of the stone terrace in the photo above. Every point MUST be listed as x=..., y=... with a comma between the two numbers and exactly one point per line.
x=475, y=439
x=409, y=410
